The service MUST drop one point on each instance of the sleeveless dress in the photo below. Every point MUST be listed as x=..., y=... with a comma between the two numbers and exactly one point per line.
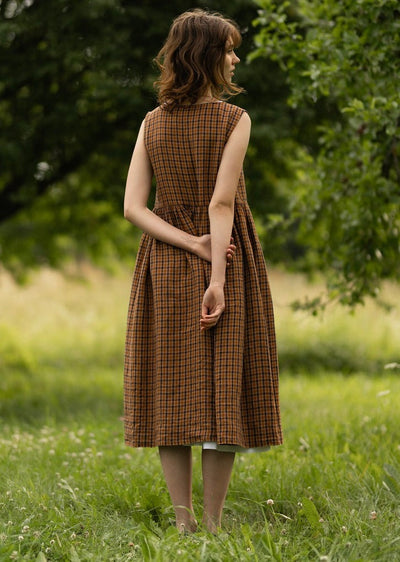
x=183, y=386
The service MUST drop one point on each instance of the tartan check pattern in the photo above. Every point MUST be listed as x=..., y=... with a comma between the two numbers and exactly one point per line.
x=182, y=386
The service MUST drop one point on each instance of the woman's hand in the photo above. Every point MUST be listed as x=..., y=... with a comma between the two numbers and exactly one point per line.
x=212, y=307
x=203, y=249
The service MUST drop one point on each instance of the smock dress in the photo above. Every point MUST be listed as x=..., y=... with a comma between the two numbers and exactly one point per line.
x=183, y=386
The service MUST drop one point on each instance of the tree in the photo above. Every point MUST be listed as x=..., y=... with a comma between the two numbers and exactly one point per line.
x=68, y=103
x=75, y=81
x=346, y=56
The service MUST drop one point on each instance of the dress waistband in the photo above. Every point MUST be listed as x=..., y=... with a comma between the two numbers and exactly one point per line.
x=191, y=207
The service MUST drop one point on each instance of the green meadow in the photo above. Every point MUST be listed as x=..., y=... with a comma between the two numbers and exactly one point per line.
x=70, y=490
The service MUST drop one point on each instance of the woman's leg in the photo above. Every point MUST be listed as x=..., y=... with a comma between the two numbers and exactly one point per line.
x=217, y=469
x=176, y=463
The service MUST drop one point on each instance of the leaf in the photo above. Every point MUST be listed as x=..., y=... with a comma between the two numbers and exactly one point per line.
x=41, y=557
x=148, y=548
x=311, y=513
x=268, y=546
x=74, y=555
x=248, y=536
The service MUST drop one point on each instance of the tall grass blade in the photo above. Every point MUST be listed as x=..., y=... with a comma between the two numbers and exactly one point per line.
x=392, y=479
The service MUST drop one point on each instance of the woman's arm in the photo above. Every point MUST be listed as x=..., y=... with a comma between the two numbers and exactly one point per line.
x=221, y=211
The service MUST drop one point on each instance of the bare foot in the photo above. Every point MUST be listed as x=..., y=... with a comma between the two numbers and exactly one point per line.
x=187, y=528
x=211, y=525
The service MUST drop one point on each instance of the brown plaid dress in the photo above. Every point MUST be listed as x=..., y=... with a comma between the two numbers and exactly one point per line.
x=182, y=386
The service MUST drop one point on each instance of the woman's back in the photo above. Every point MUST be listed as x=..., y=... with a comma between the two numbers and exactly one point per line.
x=185, y=147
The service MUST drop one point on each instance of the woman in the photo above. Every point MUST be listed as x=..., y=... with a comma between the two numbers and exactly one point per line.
x=201, y=363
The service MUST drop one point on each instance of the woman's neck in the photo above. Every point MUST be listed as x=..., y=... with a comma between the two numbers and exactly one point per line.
x=206, y=97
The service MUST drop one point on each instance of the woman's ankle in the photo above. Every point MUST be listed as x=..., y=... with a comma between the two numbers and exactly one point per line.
x=185, y=520
x=211, y=524
x=187, y=526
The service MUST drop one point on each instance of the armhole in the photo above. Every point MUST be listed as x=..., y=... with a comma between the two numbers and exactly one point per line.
x=233, y=120
x=146, y=127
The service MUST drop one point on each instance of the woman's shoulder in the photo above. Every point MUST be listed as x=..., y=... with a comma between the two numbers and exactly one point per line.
x=231, y=115
x=154, y=117
x=153, y=112
x=232, y=108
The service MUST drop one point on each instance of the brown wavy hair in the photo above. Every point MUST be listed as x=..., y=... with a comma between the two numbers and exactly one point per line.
x=193, y=56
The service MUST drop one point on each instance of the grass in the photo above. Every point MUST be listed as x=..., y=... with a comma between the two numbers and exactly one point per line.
x=70, y=490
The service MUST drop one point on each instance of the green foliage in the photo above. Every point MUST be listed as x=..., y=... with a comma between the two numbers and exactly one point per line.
x=12, y=352
x=72, y=490
x=72, y=91
x=345, y=55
